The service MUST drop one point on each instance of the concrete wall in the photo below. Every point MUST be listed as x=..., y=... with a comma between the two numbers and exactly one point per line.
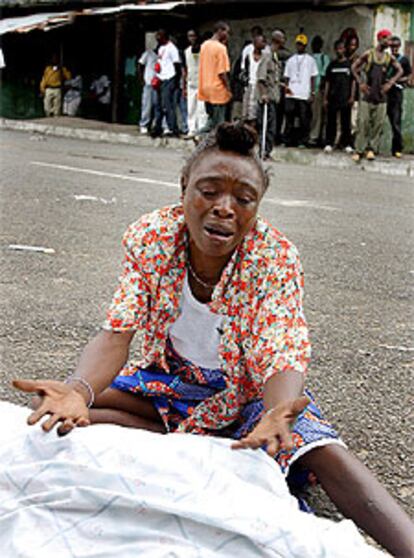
x=327, y=23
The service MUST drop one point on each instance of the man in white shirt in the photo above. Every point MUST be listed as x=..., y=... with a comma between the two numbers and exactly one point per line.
x=146, y=70
x=168, y=71
x=197, y=116
x=300, y=75
x=255, y=31
x=250, y=67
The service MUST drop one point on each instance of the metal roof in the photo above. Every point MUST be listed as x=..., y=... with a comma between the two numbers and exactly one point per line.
x=52, y=20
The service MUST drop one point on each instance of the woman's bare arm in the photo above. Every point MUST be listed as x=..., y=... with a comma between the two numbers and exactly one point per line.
x=100, y=362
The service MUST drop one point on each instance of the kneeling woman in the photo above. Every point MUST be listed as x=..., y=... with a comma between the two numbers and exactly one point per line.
x=216, y=294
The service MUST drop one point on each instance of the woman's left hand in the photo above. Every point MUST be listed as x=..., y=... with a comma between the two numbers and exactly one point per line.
x=274, y=428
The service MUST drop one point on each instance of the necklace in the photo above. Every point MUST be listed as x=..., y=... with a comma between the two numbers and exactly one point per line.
x=299, y=64
x=197, y=278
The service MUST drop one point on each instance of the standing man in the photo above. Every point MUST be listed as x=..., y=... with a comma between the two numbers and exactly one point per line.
x=351, y=39
x=197, y=116
x=283, y=54
x=248, y=48
x=322, y=61
x=372, y=110
x=214, y=82
x=146, y=73
x=395, y=97
x=168, y=73
x=339, y=97
x=268, y=93
x=51, y=86
x=251, y=64
x=300, y=75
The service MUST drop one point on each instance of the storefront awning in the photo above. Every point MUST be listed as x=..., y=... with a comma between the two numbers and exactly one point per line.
x=48, y=21
x=44, y=22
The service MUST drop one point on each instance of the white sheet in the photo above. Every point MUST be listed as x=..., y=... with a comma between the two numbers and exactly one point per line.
x=107, y=491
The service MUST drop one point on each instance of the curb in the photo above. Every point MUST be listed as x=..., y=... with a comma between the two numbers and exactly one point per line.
x=314, y=158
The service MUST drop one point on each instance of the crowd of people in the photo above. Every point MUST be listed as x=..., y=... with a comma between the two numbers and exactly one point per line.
x=293, y=99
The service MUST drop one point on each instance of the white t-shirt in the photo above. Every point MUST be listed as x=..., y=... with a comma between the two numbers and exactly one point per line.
x=299, y=69
x=196, y=333
x=148, y=60
x=192, y=61
x=248, y=49
x=168, y=55
x=253, y=65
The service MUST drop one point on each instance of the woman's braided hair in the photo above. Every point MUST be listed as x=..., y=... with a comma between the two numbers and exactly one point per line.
x=237, y=137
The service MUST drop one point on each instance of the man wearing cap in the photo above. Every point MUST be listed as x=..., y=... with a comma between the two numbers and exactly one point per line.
x=300, y=75
x=373, y=91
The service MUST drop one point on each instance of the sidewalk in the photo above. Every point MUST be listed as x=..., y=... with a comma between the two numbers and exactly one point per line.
x=93, y=130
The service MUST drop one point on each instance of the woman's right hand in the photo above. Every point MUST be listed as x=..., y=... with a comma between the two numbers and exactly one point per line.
x=61, y=401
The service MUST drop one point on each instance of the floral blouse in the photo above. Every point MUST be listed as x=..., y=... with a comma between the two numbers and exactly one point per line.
x=259, y=296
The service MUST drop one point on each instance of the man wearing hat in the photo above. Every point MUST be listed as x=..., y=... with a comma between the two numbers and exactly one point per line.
x=300, y=75
x=375, y=64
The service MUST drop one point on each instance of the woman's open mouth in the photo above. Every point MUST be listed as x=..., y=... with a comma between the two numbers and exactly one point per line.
x=218, y=233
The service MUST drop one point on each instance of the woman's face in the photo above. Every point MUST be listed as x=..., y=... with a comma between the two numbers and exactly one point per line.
x=221, y=197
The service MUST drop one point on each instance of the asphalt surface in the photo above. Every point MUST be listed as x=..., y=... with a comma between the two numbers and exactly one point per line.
x=354, y=232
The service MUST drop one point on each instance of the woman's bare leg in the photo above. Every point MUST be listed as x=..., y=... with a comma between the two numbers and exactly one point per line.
x=126, y=409
x=359, y=496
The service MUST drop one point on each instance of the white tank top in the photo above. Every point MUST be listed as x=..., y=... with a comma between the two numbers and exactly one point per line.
x=195, y=335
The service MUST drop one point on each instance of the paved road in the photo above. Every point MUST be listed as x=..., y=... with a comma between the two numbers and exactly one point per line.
x=354, y=233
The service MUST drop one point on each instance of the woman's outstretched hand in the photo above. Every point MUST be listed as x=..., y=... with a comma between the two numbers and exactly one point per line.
x=61, y=401
x=274, y=428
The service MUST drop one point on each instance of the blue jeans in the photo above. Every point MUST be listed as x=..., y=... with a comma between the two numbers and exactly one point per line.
x=166, y=106
x=148, y=102
x=181, y=104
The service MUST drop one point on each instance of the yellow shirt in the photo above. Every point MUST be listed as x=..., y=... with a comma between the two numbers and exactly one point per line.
x=214, y=61
x=52, y=77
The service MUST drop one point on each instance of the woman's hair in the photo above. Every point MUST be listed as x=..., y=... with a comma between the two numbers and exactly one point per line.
x=237, y=137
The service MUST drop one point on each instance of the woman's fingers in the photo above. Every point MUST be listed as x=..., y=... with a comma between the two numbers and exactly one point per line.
x=66, y=427
x=272, y=447
x=285, y=436
x=48, y=424
x=35, y=402
x=38, y=414
x=83, y=421
x=29, y=386
x=250, y=441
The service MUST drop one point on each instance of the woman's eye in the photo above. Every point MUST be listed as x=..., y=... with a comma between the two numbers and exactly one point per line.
x=244, y=201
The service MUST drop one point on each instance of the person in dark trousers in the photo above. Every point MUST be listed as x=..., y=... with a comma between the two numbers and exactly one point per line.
x=300, y=75
x=168, y=73
x=395, y=97
x=268, y=93
x=339, y=97
x=214, y=77
x=318, y=113
x=375, y=63
x=283, y=54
